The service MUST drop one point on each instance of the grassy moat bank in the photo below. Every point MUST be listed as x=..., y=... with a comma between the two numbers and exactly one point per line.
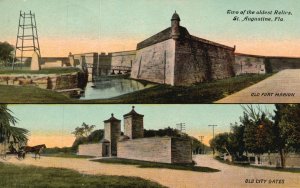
x=199, y=93
x=42, y=71
x=23, y=176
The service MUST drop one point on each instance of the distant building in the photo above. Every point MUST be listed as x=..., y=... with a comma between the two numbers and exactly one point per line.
x=175, y=57
x=133, y=145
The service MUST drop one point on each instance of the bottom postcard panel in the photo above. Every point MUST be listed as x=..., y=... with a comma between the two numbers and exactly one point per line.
x=150, y=145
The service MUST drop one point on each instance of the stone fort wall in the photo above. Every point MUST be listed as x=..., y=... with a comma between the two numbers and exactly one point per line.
x=90, y=150
x=156, y=149
x=181, y=150
x=155, y=63
x=125, y=58
x=246, y=63
x=44, y=81
x=183, y=62
x=198, y=61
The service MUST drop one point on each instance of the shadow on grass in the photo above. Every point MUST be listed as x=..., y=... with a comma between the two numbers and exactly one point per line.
x=146, y=164
x=14, y=176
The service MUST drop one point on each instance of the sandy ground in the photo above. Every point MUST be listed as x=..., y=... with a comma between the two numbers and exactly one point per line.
x=286, y=81
x=229, y=176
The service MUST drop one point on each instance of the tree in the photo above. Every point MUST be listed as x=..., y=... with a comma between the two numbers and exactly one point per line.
x=220, y=142
x=287, y=129
x=94, y=137
x=236, y=139
x=8, y=131
x=162, y=132
x=83, y=131
x=85, y=134
x=6, y=52
x=258, y=132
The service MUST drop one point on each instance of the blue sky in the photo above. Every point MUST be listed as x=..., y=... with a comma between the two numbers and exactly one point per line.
x=112, y=25
x=58, y=121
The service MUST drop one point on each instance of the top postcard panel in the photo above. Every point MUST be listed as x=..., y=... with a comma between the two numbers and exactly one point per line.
x=125, y=51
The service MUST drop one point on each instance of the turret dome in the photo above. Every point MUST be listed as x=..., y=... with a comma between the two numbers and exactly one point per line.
x=175, y=17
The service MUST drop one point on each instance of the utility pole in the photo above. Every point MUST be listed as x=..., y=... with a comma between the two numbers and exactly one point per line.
x=181, y=127
x=213, y=127
x=201, y=140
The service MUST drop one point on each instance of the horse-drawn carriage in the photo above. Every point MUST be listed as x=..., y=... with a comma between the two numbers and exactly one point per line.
x=20, y=153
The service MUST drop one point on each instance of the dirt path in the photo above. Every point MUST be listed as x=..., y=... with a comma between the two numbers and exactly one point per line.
x=286, y=81
x=229, y=176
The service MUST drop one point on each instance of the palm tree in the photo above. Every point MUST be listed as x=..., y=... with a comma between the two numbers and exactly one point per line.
x=8, y=131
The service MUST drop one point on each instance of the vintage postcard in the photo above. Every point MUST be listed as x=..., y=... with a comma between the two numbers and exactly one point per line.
x=160, y=51
x=139, y=93
x=213, y=145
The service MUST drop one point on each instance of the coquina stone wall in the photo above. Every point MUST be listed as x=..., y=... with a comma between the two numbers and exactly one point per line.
x=292, y=160
x=198, y=60
x=181, y=150
x=156, y=149
x=133, y=127
x=281, y=63
x=245, y=64
x=155, y=63
x=44, y=81
x=125, y=58
x=90, y=150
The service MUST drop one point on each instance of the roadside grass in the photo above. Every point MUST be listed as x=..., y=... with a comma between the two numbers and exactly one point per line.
x=160, y=94
x=146, y=164
x=67, y=155
x=42, y=71
x=13, y=176
x=292, y=170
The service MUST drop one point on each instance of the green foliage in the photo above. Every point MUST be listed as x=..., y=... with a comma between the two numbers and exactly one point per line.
x=196, y=144
x=83, y=131
x=94, y=137
x=162, y=132
x=147, y=164
x=289, y=125
x=258, y=134
x=287, y=129
x=8, y=130
x=237, y=144
x=42, y=71
x=221, y=142
x=6, y=52
x=29, y=176
x=230, y=142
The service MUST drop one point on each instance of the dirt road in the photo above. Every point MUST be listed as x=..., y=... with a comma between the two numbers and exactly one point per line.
x=283, y=87
x=229, y=176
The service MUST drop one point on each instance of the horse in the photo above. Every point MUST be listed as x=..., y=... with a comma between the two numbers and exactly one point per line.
x=33, y=149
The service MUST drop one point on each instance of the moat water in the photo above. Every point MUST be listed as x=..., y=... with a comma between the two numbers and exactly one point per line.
x=107, y=87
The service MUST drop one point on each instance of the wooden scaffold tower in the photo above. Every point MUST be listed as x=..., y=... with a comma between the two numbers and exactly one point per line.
x=27, y=37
